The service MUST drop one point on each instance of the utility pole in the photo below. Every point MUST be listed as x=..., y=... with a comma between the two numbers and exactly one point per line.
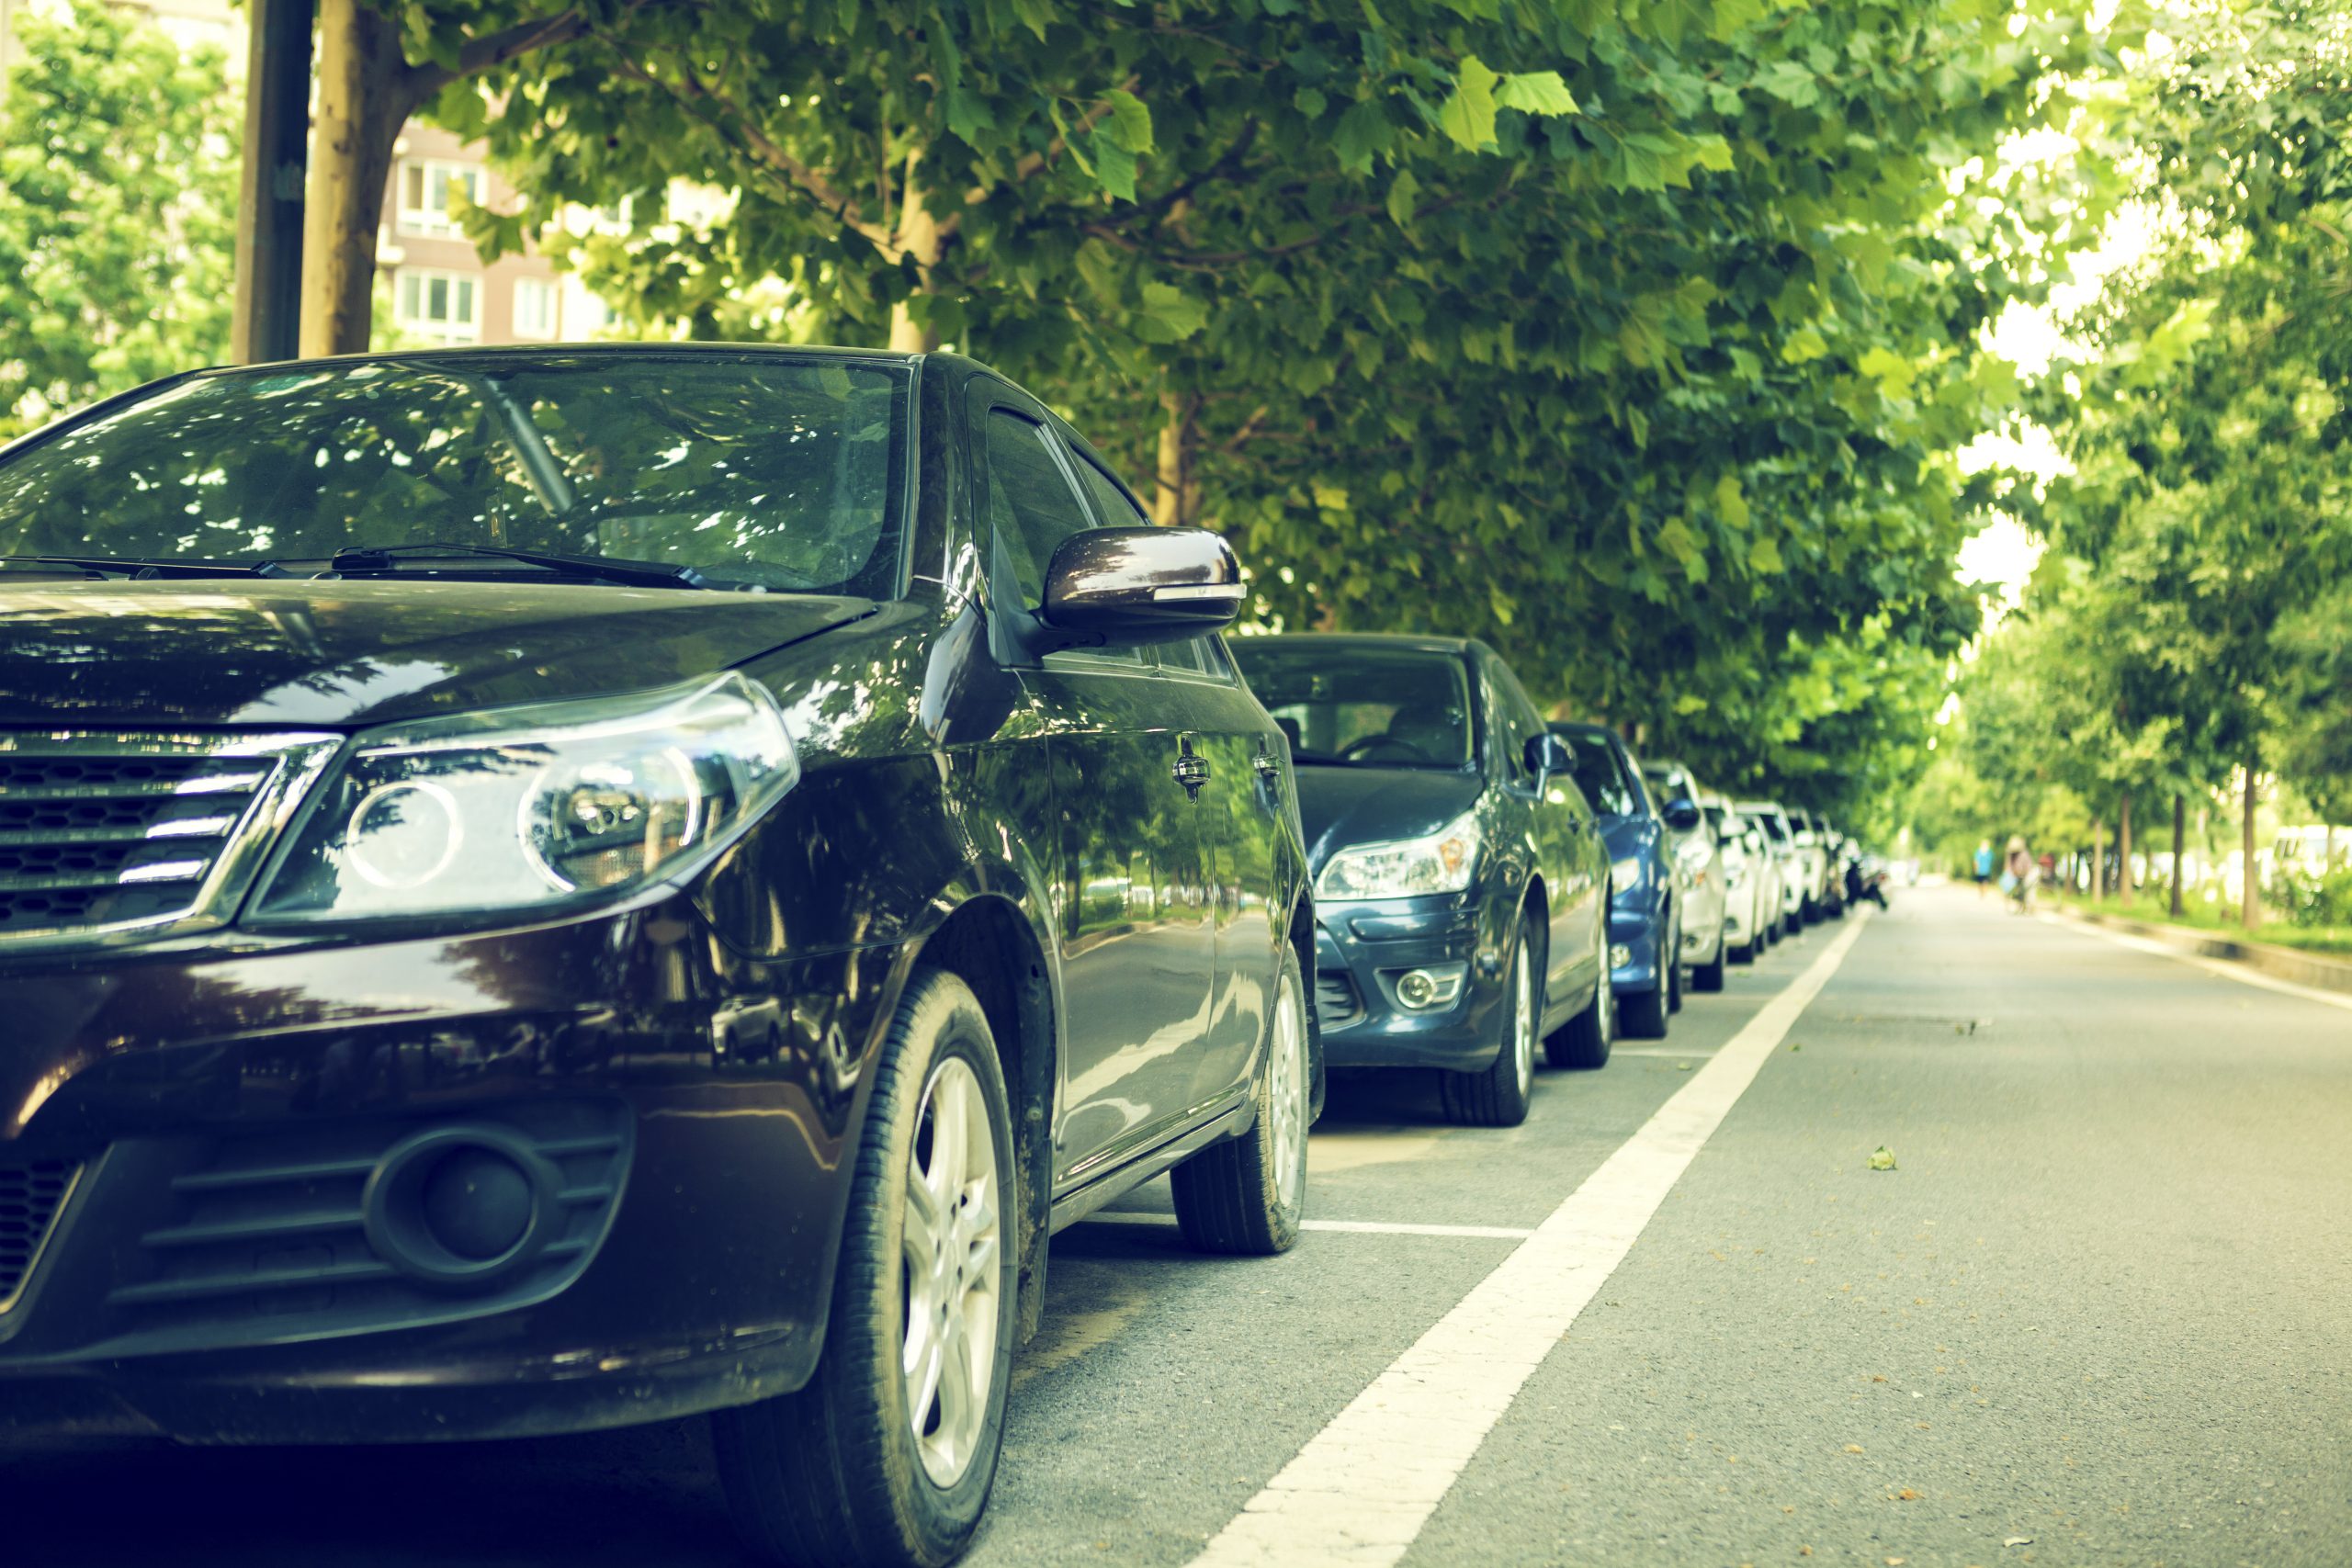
x=266, y=321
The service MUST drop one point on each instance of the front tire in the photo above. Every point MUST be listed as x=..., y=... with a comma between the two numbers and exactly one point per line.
x=1247, y=1195
x=1673, y=975
x=1498, y=1095
x=886, y=1456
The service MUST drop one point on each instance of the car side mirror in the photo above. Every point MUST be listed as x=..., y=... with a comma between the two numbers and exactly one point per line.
x=1682, y=815
x=1548, y=754
x=1131, y=586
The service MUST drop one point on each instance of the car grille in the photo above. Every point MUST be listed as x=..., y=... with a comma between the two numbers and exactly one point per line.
x=1335, y=998
x=31, y=1193
x=103, y=833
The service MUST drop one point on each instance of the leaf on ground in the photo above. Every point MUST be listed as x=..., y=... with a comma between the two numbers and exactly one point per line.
x=2019, y=1541
x=1796, y=1047
x=1881, y=1158
x=1906, y=1496
x=1853, y=1448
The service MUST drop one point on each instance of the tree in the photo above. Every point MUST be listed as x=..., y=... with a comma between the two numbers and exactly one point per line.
x=118, y=207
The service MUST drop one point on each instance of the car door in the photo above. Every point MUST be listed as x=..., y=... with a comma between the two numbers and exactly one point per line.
x=1137, y=944
x=1241, y=811
x=1565, y=836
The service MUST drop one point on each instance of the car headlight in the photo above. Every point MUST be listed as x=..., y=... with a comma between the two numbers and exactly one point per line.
x=561, y=803
x=1625, y=873
x=1406, y=868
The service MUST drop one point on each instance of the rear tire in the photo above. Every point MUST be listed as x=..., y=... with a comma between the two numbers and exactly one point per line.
x=1709, y=976
x=1498, y=1095
x=844, y=1471
x=1247, y=1195
x=1642, y=1015
x=1583, y=1041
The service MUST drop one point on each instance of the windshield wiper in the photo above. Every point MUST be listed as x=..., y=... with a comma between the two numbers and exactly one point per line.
x=137, y=567
x=353, y=558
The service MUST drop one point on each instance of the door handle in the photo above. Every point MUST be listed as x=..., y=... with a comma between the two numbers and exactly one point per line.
x=1191, y=769
x=1269, y=766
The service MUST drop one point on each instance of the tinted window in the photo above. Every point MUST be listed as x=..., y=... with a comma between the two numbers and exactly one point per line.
x=1031, y=504
x=1516, y=719
x=1111, y=502
x=1599, y=774
x=755, y=469
x=1350, y=703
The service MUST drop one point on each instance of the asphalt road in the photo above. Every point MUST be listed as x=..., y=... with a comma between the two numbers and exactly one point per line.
x=2100, y=1313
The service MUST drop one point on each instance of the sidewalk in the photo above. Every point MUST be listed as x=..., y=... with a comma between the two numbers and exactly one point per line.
x=2283, y=963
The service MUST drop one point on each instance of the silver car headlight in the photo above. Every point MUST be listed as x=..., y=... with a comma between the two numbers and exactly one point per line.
x=1406, y=868
x=557, y=804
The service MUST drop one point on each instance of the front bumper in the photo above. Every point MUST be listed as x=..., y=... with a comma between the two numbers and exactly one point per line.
x=239, y=1258
x=1361, y=949
x=1637, y=925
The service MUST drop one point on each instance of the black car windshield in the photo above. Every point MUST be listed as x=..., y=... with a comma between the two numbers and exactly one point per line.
x=754, y=469
x=1599, y=774
x=1346, y=704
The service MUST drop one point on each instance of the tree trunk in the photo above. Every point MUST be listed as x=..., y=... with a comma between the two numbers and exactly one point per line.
x=2123, y=849
x=916, y=238
x=2179, y=833
x=2250, y=909
x=363, y=99
x=1176, y=491
x=2098, y=857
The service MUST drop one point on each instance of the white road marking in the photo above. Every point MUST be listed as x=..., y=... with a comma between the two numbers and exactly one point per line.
x=2226, y=969
x=1361, y=1489
x=1660, y=1051
x=1364, y=1227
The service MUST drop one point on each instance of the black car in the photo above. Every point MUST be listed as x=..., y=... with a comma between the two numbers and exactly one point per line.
x=1459, y=882
x=544, y=890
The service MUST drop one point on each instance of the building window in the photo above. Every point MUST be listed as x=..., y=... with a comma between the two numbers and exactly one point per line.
x=533, y=307
x=425, y=187
x=442, y=305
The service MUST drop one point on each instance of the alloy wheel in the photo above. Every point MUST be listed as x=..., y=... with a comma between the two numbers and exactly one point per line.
x=1523, y=1043
x=1288, y=1092
x=952, y=1233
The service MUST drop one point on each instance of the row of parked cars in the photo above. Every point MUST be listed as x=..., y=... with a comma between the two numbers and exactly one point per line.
x=545, y=890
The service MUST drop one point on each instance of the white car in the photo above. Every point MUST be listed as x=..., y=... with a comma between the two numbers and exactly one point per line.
x=1697, y=872
x=1792, y=865
x=1750, y=876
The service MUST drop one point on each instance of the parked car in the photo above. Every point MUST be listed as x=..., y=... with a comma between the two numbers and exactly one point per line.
x=1460, y=880
x=553, y=889
x=1699, y=871
x=1751, y=884
x=1645, y=916
x=1782, y=838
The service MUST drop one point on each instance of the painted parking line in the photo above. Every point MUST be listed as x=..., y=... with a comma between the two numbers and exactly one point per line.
x=1358, y=1227
x=1361, y=1489
x=2221, y=966
x=1661, y=1050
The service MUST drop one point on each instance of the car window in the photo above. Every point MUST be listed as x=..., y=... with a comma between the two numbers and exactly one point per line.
x=1111, y=504
x=755, y=470
x=1516, y=719
x=1599, y=774
x=1032, y=509
x=1347, y=703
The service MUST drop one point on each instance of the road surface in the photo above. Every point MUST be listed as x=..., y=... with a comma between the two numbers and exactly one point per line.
x=2101, y=1311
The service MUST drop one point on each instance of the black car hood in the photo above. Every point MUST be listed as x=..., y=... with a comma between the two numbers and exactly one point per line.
x=342, y=654
x=1338, y=808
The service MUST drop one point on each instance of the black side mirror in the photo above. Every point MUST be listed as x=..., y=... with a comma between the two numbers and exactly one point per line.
x=1548, y=754
x=1130, y=587
x=1682, y=815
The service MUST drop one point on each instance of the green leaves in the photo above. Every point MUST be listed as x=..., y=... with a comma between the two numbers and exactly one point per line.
x=1536, y=92
x=1468, y=114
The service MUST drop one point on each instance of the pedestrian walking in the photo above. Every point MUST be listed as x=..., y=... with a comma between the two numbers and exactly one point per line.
x=2019, y=875
x=1984, y=865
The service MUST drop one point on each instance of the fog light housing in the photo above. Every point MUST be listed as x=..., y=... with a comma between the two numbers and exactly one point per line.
x=1434, y=986
x=1619, y=956
x=461, y=1207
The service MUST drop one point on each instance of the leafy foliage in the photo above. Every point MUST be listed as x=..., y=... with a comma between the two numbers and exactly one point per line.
x=118, y=211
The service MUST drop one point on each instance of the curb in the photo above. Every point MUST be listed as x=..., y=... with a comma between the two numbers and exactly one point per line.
x=2285, y=962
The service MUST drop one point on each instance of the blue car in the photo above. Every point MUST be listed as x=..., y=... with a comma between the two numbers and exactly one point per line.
x=1645, y=922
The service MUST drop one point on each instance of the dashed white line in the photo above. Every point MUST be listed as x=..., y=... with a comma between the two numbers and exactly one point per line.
x=1361, y=1489
x=1361, y=1227
x=2223, y=967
